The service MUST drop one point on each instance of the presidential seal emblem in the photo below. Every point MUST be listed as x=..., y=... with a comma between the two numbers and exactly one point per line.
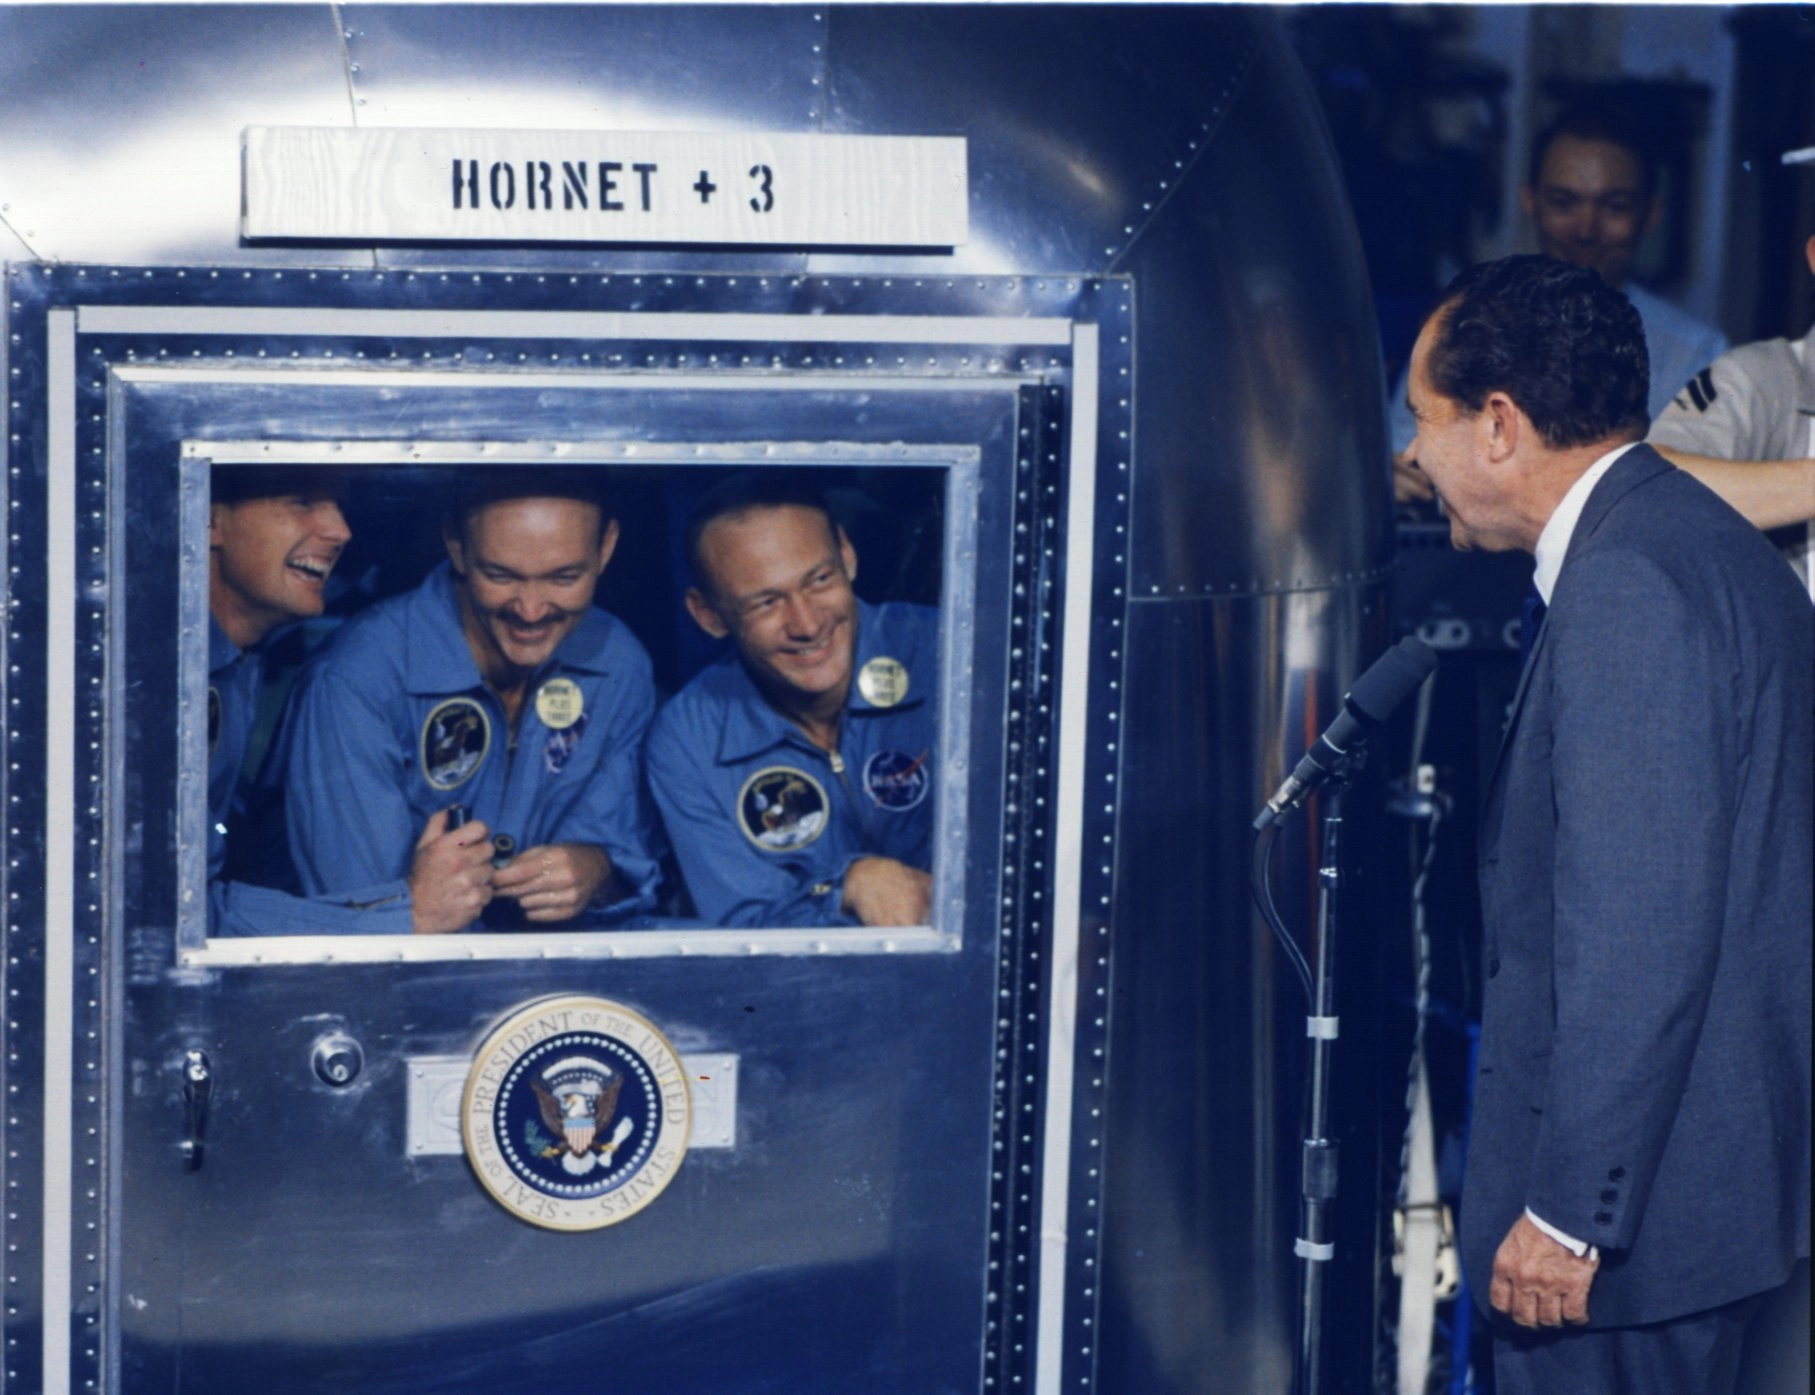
x=781, y=808
x=455, y=738
x=883, y=682
x=576, y=1113
x=896, y=780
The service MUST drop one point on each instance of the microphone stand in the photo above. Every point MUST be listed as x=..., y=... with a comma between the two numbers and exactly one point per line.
x=1319, y=1160
x=1317, y=1185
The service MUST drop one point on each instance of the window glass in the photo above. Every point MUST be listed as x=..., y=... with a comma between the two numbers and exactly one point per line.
x=484, y=698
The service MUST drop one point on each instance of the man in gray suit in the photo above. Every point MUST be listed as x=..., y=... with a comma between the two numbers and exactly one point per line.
x=1639, y=1163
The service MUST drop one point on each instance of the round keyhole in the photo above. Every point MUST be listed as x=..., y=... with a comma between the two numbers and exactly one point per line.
x=338, y=1060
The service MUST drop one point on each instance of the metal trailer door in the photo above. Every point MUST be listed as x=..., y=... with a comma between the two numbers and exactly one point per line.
x=238, y=1160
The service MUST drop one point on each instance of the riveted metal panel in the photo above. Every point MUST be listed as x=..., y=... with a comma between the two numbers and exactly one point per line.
x=1206, y=1056
x=1067, y=169
x=1262, y=422
x=12, y=247
x=169, y=1273
x=119, y=137
x=585, y=67
x=24, y=489
x=1248, y=502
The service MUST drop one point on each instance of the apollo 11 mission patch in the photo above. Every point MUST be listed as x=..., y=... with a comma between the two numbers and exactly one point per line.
x=782, y=808
x=455, y=738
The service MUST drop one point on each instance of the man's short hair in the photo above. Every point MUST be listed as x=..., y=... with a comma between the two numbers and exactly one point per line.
x=742, y=493
x=1564, y=345
x=481, y=488
x=236, y=484
x=1599, y=120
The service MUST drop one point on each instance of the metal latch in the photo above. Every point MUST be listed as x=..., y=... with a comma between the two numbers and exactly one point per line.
x=198, y=1086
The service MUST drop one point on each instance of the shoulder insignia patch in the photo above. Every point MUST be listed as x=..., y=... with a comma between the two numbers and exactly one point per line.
x=1700, y=390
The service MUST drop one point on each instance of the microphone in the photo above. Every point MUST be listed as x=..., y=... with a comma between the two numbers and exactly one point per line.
x=1387, y=683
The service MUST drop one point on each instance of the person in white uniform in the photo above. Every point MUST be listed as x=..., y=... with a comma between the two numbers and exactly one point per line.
x=1751, y=412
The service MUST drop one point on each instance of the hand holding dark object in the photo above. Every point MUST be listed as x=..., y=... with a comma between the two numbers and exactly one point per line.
x=450, y=875
x=553, y=882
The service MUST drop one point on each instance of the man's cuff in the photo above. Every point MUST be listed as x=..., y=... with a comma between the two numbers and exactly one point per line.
x=1581, y=1249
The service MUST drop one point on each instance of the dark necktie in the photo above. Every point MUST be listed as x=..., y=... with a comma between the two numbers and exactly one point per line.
x=1531, y=618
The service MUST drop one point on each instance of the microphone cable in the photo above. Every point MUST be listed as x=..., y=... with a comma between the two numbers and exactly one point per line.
x=1260, y=885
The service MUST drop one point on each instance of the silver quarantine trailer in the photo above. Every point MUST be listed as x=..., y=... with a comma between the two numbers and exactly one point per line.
x=1082, y=338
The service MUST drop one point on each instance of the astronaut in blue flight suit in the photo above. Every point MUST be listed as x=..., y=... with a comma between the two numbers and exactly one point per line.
x=796, y=775
x=496, y=686
x=273, y=540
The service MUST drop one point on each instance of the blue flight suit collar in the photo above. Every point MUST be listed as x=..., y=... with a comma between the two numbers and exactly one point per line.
x=222, y=652
x=752, y=726
x=439, y=660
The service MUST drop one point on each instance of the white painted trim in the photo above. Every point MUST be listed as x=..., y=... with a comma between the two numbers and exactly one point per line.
x=59, y=849
x=603, y=944
x=1068, y=865
x=567, y=452
x=597, y=376
x=571, y=324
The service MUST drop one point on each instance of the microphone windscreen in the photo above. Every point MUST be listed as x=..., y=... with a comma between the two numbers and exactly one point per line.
x=1391, y=678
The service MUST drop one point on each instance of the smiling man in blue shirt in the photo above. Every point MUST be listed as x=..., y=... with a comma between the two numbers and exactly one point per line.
x=797, y=775
x=274, y=536
x=496, y=686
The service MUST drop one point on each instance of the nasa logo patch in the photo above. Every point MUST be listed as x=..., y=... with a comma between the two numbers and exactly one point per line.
x=782, y=808
x=576, y=1113
x=455, y=738
x=896, y=780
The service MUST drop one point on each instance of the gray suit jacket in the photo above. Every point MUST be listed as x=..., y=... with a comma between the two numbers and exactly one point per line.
x=1646, y=893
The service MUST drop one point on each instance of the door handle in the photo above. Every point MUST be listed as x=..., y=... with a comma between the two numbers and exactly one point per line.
x=198, y=1087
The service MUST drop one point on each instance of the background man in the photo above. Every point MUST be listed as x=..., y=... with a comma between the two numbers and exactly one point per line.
x=796, y=775
x=1640, y=1157
x=273, y=540
x=496, y=686
x=1755, y=404
x=1591, y=196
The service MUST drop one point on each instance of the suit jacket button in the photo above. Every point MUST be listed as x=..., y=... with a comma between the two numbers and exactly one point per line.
x=1493, y=967
x=1615, y=1173
x=1603, y=1217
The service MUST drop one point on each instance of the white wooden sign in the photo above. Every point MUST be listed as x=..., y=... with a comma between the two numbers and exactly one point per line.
x=336, y=183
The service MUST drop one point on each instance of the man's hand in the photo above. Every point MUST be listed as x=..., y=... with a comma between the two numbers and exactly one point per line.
x=1538, y=1282
x=450, y=876
x=882, y=891
x=555, y=881
x=1410, y=484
